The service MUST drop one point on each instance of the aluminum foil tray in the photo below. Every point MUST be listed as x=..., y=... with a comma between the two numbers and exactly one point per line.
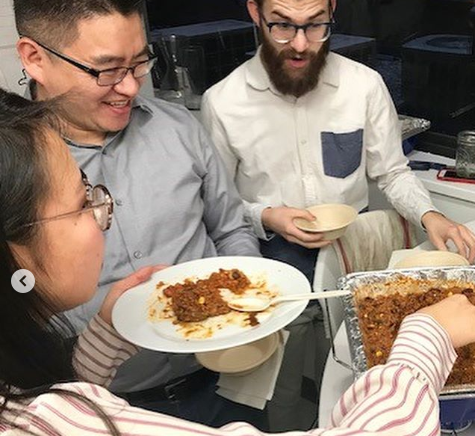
x=375, y=283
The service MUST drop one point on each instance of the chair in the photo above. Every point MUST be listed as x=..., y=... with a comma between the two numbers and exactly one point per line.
x=366, y=246
x=327, y=273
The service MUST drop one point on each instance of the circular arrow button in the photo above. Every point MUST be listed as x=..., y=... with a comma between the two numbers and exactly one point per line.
x=23, y=281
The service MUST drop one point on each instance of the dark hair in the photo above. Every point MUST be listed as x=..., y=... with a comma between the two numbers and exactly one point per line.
x=24, y=185
x=35, y=351
x=55, y=22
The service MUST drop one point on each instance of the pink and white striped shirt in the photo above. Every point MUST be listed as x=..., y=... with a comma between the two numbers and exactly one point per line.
x=399, y=398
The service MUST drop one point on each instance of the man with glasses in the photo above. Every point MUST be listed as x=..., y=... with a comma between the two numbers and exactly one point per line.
x=299, y=126
x=174, y=201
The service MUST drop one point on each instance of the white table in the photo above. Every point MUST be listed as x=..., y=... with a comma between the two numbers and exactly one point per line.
x=455, y=200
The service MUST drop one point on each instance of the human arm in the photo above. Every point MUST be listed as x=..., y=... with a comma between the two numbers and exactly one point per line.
x=223, y=211
x=440, y=230
x=217, y=132
x=419, y=364
x=399, y=398
x=100, y=350
x=281, y=220
x=387, y=164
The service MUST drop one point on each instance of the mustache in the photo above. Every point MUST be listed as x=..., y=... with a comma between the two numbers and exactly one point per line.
x=292, y=54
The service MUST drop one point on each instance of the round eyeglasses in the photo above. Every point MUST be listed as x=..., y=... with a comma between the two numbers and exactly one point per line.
x=284, y=32
x=98, y=200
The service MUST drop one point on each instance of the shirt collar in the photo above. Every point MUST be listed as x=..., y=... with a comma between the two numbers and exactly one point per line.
x=142, y=103
x=256, y=73
x=258, y=78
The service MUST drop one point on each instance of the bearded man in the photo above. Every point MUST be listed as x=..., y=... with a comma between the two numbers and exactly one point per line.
x=299, y=126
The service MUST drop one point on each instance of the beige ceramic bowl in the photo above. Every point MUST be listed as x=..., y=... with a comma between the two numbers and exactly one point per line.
x=240, y=360
x=431, y=258
x=332, y=220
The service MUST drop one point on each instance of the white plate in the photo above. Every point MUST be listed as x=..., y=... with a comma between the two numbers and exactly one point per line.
x=422, y=259
x=242, y=359
x=130, y=317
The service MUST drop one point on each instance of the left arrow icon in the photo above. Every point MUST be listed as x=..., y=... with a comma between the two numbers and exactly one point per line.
x=23, y=281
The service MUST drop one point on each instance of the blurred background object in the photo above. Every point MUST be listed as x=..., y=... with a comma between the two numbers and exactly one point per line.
x=423, y=49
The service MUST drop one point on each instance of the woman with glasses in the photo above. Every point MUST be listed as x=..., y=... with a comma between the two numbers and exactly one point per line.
x=51, y=223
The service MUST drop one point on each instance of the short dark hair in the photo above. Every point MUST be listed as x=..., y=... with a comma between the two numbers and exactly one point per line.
x=55, y=22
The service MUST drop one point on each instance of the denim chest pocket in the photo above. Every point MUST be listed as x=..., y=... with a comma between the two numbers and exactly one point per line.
x=341, y=153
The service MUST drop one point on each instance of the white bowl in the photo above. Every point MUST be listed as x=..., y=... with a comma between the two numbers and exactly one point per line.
x=240, y=360
x=431, y=258
x=332, y=220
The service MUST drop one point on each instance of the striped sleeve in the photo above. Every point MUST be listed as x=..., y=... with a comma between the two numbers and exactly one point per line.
x=99, y=351
x=399, y=398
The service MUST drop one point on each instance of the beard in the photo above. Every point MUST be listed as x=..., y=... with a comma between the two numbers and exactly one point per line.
x=284, y=81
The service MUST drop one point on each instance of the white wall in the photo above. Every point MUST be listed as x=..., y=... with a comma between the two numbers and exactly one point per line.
x=10, y=66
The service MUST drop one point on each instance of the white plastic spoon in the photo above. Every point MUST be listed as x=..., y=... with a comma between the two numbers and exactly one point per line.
x=255, y=304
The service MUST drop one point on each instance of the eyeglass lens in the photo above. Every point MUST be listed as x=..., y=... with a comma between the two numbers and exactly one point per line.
x=116, y=75
x=102, y=211
x=283, y=32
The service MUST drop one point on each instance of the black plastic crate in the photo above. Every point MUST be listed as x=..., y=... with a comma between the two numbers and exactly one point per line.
x=210, y=51
x=437, y=77
x=358, y=48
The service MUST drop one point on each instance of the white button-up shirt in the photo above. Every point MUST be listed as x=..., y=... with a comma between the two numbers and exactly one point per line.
x=319, y=148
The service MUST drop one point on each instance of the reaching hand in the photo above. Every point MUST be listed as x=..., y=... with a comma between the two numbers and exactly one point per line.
x=281, y=220
x=140, y=276
x=457, y=315
x=440, y=230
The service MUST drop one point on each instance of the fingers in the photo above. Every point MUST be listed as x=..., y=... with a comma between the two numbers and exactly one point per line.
x=160, y=267
x=459, y=243
x=305, y=214
x=305, y=237
x=135, y=279
x=441, y=229
x=138, y=277
x=464, y=240
x=142, y=274
x=309, y=240
x=457, y=315
x=310, y=245
x=469, y=240
x=438, y=242
x=281, y=220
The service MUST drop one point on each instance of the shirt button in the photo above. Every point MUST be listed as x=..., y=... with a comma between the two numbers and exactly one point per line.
x=138, y=255
x=303, y=142
x=119, y=202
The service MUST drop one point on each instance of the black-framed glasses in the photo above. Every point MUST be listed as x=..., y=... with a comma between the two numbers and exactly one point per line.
x=98, y=200
x=284, y=32
x=109, y=76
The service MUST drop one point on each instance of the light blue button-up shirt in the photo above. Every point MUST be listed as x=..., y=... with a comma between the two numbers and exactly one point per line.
x=174, y=202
